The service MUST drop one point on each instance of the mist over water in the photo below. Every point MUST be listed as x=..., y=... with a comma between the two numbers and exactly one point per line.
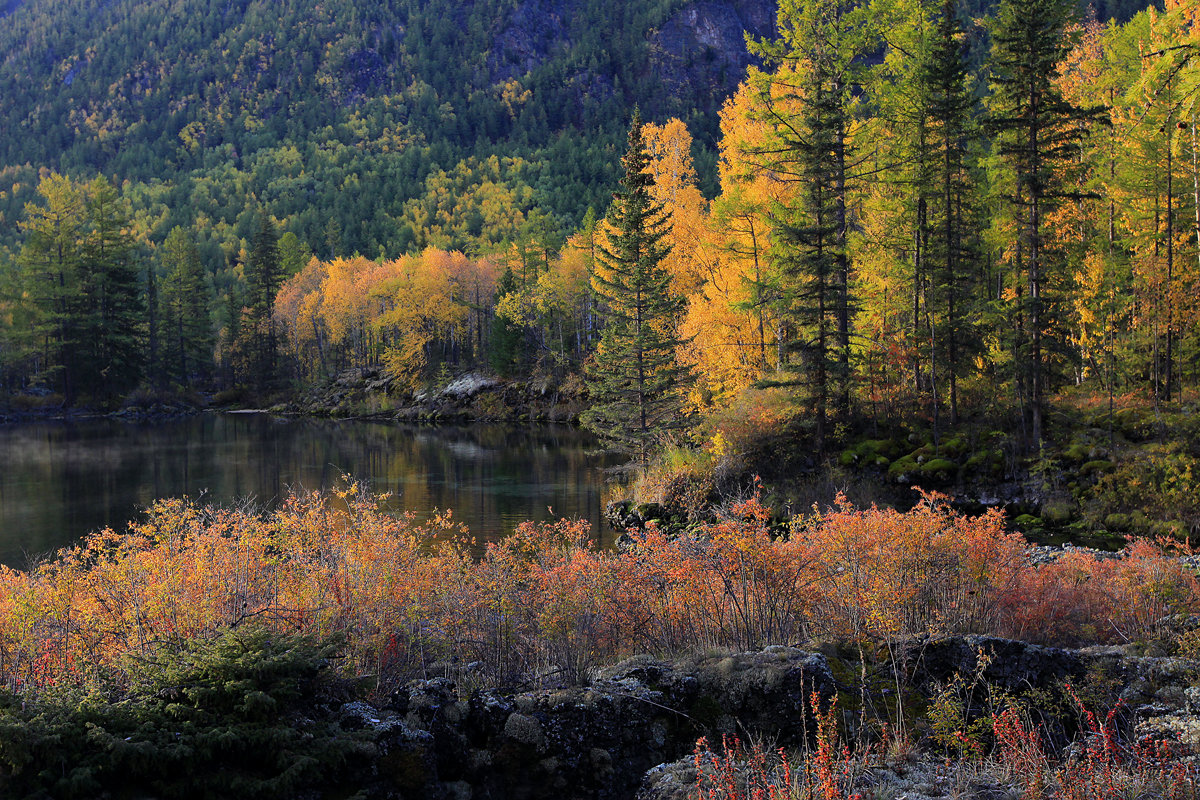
x=60, y=480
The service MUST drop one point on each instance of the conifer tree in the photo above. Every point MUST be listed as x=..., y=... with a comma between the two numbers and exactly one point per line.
x=1037, y=132
x=82, y=273
x=186, y=325
x=50, y=263
x=264, y=275
x=113, y=324
x=808, y=104
x=635, y=381
x=508, y=346
x=947, y=107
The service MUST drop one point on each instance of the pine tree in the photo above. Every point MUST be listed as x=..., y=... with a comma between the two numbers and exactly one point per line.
x=82, y=274
x=806, y=255
x=113, y=323
x=635, y=381
x=808, y=104
x=50, y=263
x=508, y=351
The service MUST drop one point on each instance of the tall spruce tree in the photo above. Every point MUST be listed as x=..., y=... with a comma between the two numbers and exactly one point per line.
x=114, y=322
x=50, y=265
x=635, y=381
x=1038, y=134
x=264, y=276
x=808, y=106
x=185, y=320
x=947, y=116
x=807, y=256
x=82, y=274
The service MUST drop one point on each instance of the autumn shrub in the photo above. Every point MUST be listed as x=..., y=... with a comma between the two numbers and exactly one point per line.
x=826, y=770
x=1103, y=764
x=884, y=573
x=545, y=605
x=731, y=584
x=1087, y=598
x=544, y=601
x=188, y=572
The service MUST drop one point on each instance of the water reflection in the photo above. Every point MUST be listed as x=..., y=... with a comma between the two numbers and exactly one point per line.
x=60, y=480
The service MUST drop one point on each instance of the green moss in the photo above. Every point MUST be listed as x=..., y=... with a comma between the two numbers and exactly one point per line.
x=888, y=448
x=903, y=470
x=1078, y=452
x=984, y=461
x=869, y=452
x=942, y=469
x=954, y=447
x=1096, y=467
x=922, y=453
x=1027, y=521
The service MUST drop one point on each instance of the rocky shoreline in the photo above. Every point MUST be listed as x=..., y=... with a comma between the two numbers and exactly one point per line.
x=472, y=397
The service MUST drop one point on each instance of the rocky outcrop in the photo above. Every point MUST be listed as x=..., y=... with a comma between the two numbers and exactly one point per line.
x=598, y=741
x=1156, y=699
x=535, y=32
x=1003, y=663
x=698, y=52
x=703, y=44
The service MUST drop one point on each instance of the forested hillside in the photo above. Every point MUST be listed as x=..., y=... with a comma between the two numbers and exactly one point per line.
x=354, y=115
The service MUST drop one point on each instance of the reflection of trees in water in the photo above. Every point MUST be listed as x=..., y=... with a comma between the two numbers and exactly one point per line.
x=61, y=480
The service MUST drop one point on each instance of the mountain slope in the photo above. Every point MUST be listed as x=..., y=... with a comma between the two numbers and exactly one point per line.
x=354, y=111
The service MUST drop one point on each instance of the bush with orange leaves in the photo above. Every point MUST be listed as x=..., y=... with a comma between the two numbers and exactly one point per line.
x=544, y=605
x=189, y=572
x=731, y=584
x=883, y=573
x=1086, y=598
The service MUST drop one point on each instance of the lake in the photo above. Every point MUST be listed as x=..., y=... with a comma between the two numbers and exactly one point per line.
x=60, y=480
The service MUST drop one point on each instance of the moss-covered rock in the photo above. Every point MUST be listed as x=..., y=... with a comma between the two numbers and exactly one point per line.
x=954, y=447
x=904, y=470
x=1096, y=467
x=939, y=469
x=1117, y=522
x=1057, y=512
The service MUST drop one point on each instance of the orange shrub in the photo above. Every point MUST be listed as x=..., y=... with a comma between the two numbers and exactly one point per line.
x=885, y=574
x=730, y=584
x=1082, y=598
x=544, y=604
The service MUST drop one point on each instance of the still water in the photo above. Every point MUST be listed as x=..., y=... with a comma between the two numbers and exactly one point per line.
x=60, y=480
